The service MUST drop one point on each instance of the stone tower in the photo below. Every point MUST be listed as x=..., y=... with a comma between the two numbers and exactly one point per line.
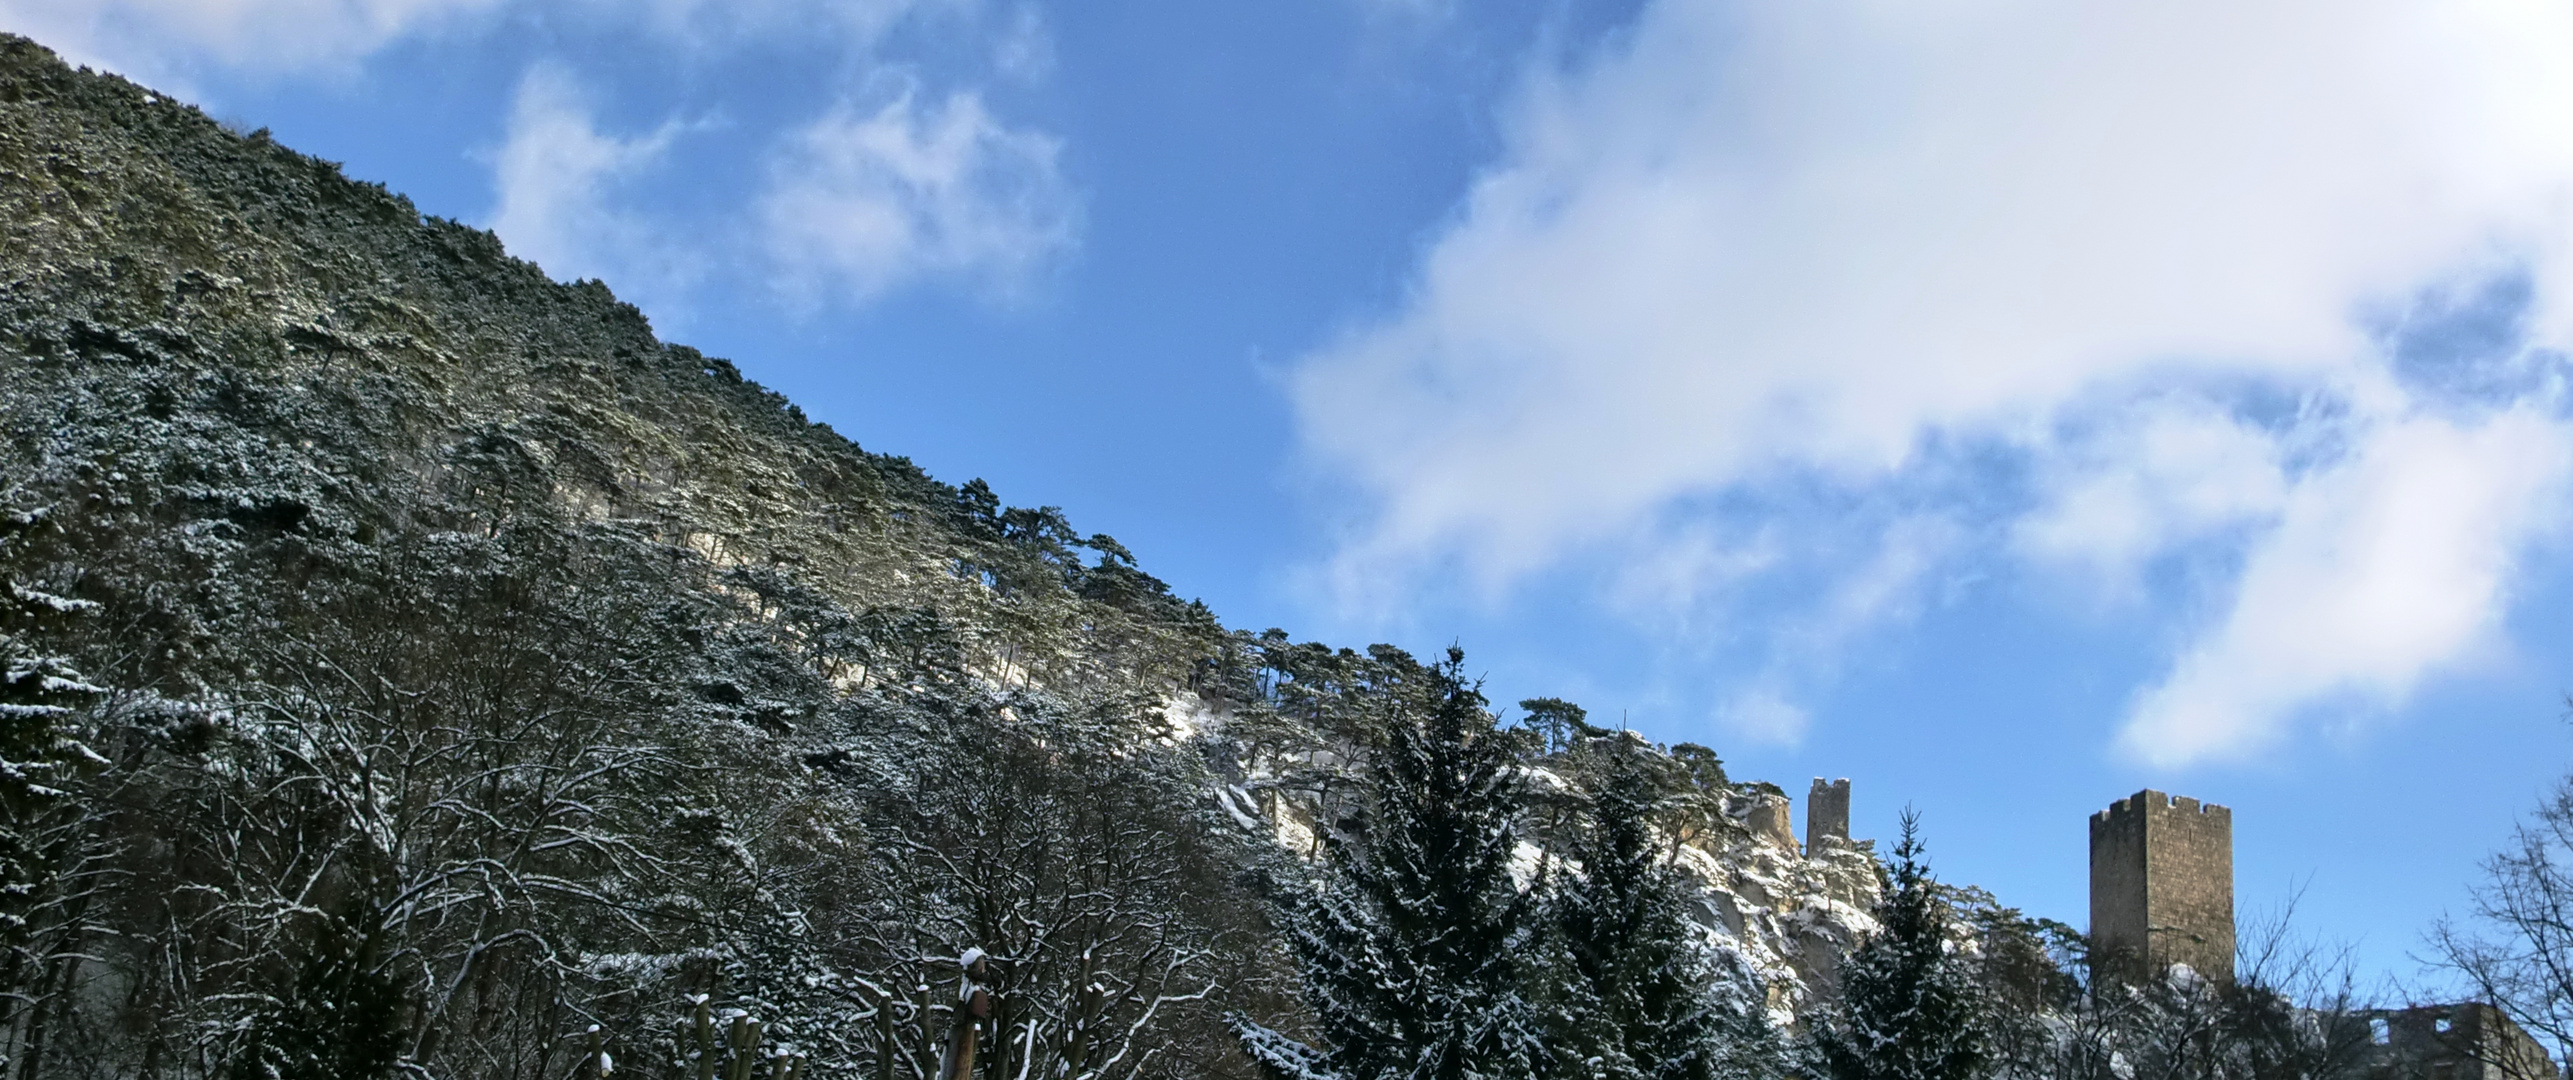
x=1826, y=813
x=2162, y=887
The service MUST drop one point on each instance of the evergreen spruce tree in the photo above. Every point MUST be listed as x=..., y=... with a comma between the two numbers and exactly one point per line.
x=1411, y=953
x=1648, y=998
x=340, y=1020
x=1910, y=1008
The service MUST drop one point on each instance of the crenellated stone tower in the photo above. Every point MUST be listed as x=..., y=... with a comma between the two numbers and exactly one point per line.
x=2162, y=887
x=1826, y=813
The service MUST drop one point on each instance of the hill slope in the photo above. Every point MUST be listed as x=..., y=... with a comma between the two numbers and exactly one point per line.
x=410, y=658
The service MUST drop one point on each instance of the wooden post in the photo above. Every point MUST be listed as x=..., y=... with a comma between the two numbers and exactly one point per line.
x=705, y=1026
x=973, y=1003
x=928, y=1018
x=744, y=1050
x=884, y=1036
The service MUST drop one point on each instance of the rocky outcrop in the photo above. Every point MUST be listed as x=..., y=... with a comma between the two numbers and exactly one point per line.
x=1791, y=916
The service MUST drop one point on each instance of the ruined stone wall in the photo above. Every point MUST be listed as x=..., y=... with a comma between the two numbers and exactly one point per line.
x=2463, y=1041
x=2162, y=888
x=1826, y=813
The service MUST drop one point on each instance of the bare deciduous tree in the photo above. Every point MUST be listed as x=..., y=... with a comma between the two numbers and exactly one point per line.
x=2515, y=951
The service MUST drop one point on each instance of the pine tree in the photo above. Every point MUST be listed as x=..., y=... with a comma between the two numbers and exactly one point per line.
x=1649, y=999
x=1411, y=951
x=341, y=1020
x=1911, y=1009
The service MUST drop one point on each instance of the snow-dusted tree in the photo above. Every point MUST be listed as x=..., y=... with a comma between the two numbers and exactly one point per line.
x=2516, y=950
x=1648, y=997
x=39, y=689
x=1065, y=842
x=1411, y=950
x=46, y=882
x=1911, y=1008
x=342, y=1020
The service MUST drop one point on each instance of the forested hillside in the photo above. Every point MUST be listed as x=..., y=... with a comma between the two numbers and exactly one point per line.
x=413, y=665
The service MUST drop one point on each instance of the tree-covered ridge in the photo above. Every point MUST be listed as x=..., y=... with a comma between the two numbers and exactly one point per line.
x=305, y=353
x=413, y=663
x=416, y=661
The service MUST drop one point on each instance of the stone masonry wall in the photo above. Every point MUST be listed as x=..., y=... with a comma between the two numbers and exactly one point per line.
x=2462, y=1041
x=2162, y=886
x=1826, y=813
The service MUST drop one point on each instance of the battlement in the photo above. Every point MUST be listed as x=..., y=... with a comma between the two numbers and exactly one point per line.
x=2162, y=886
x=2137, y=804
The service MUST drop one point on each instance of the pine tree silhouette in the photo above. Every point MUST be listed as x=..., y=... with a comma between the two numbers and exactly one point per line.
x=1411, y=953
x=1650, y=999
x=1910, y=1007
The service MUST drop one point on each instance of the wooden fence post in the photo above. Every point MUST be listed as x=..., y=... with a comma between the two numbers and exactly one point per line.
x=928, y=1018
x=973, y=1003
x=744, y=1050
x=705, y=1027
x=884, y=1035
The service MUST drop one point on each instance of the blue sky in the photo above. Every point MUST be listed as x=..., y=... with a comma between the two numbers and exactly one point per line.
x=2006, y=404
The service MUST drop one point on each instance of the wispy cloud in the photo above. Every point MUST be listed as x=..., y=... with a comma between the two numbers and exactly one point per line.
x=2155, y=476
x=1839, y=239
x=555, y=178
x=159, y=39
x=854, y=203
x=1764, y=714
x=717, y=24
x=869, y=197
x=874, y=188
x=2382, y=569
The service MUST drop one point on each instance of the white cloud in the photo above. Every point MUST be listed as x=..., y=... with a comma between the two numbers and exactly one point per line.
x=2163, y=474
x=1753, y=238
x=1679, y=573
x=869, y=198
x=160, y=40
x=1763, y=715
x=153, y=39
x=882, y=189
x=716, y=23
x=555, y=176
x=2383, y=569
x=1897, y=575
x=1024, y=48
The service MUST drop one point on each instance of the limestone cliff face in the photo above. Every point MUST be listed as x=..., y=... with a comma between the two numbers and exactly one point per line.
x=1790, y=914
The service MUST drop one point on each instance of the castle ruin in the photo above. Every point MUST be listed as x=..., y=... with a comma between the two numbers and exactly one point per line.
x=2162, y=893
x=2463, y=1041
x=2162, y=887
x=1826, y=813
